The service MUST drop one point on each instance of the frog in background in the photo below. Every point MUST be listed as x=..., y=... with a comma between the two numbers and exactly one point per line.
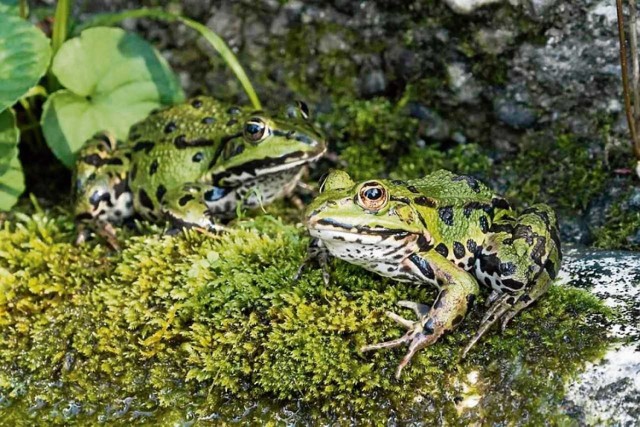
x=193, y=164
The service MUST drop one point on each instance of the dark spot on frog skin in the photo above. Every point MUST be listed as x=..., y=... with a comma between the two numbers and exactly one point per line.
x=170, y=127
x=422, y=265
x=197, y=158
x=160, y=192
x=208, y=120
x=145, y=200
x=134, y=172
x=215, y=193
x=428, y=327
x=196, y=103
x=471, y=182
x=181, y=142
x=232, y=122
x=456, y=321
x=413, y=189
x=525, y=299
x=120, y=188
x=425, y=201
x=147, y=146
x=471, y=300
x=502, y=227
x=551, y=269
x=500, y=203
x=507, y=268
x=233, y=111
x=458, y=250
x=398, y=182
x=511, y=284
x=484, y=224
x=154, y=167
x=423, y=243
x=97, y=161
x=487, y=282
x=446, y=215
x=185, y=199
x=399, y=199
x=442, y=249
x=85, y=216
x=472, y=246
x=135, y=136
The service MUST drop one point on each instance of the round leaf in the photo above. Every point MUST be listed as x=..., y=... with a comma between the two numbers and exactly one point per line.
x=24, y=57
x=11, y=176
x=113, y=79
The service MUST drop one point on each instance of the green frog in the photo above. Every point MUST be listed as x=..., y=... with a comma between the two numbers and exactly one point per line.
x=447, y=230
x=193, y=164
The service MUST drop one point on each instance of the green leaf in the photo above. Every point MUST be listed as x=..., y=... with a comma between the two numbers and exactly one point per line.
x=10, y=7
x=11, y=176
x=107, y=19
x=113, y=79
x=24, y=57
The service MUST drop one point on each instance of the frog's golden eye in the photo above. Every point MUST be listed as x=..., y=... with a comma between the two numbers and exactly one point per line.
x=372, y=196
x=255, y=130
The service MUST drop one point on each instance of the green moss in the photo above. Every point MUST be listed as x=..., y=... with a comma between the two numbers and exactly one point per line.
x=561, y=171
x=172, y=329
x=620, y=224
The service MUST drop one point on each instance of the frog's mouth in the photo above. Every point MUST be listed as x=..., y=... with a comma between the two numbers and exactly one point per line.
x=252, y=170
x=332, y=230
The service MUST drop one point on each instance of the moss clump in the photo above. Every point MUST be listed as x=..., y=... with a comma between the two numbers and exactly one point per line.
x=621, y=224
x=194, y=327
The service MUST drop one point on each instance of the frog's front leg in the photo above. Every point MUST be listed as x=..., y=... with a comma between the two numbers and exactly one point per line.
x=318, y=254
x=197, y=205
x=457, y=294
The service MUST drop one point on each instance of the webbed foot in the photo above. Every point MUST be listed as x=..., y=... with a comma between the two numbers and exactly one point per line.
x=415, y=336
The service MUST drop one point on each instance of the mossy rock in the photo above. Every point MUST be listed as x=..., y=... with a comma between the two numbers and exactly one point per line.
x=194, y=327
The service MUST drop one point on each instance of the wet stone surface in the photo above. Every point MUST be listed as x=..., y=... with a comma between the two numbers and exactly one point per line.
x=609, y=390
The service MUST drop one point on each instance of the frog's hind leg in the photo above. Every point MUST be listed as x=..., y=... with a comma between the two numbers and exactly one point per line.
x=101, y=191
x=196, y=205
x=519, y=261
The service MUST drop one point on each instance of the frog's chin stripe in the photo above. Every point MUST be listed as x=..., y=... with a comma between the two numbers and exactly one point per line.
x=333, y=234
x=248, y=172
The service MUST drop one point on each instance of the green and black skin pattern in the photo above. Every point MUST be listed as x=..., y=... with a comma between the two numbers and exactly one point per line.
x=448, y=230
x=194, y=163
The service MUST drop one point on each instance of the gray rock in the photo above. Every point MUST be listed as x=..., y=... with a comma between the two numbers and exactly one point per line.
x=462, y=83
x=468, y=6
x=634, y=200
x=608, y=392
x=372, y=82
x=514, y=114
x=494, y=41
x=435, y=127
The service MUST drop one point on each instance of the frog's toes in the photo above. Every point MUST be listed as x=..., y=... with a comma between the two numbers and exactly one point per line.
x=415, y=336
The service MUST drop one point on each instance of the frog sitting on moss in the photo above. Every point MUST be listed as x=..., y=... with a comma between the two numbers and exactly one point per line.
x=447, y=230
x=192, y=164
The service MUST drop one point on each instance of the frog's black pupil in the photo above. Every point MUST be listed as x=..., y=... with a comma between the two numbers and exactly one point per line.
x=373, y=193
x=254, y=130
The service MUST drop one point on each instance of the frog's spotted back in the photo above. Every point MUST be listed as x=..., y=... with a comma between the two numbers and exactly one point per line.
x=195, y=162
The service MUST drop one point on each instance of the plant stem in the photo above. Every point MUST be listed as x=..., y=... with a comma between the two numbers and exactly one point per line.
x=633, y=46
x=625, y=81
x=58, y=37
x=60, y=24
x=23, y=9
x=34, y=123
